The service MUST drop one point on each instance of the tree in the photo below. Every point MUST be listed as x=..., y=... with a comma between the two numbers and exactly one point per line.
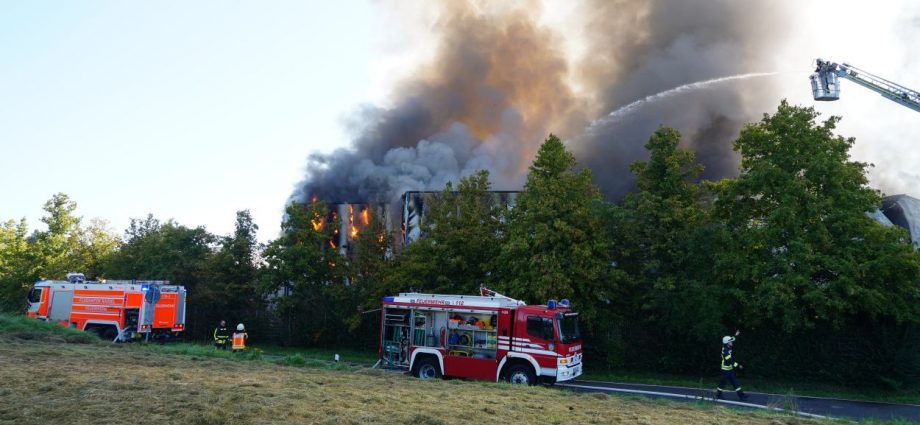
x=661, y=237
x=554, y=247
x=98, y=244
x=461, y=240
x=802, y=249
x=231, y=289
x=17, y=266
x=301, y=267
x=58, y=248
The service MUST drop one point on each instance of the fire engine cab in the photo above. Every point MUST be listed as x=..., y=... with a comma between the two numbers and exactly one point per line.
x=117, y=310
x=488, y=337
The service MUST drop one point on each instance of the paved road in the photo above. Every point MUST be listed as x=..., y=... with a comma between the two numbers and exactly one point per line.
x=805, y=406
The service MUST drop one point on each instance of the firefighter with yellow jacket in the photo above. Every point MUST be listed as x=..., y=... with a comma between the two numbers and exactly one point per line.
x=729, y=365
x=222, y=336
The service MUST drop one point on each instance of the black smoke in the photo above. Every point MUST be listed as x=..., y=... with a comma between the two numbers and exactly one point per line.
x=501, y=82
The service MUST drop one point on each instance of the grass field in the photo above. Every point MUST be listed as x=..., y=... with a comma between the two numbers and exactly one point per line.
x=55, y=375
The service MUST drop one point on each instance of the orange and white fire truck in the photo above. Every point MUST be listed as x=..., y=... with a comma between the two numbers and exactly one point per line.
x=117, y=310
x=488, y=337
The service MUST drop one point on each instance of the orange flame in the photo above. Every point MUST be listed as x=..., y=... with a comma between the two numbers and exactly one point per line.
x=317, y=223
x=364, y=216
x=353, y=232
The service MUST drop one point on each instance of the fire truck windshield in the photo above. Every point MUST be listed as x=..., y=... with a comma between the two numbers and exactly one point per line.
x=568, y=327
x=35, y=295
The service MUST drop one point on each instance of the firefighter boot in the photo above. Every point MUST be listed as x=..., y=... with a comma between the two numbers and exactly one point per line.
x=741, y=395
x=719, y=393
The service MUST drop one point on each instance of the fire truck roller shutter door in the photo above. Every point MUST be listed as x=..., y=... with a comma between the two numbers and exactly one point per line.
x=61, y=301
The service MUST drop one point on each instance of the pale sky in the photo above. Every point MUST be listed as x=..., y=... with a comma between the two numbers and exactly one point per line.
x=187, y=110
x=194, y=110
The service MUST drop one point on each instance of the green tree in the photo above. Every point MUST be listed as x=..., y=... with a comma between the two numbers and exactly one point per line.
x=98, y=244
x=231, y=290
x=301, y=268
x=802, y=249
x=58, y=249
x=461, y=240
x=17, y=265
x=368, y=264
x=661, y=238
x=554, y=248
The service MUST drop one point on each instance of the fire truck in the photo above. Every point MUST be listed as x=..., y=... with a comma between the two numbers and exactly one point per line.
x=117, y=310
x=488, y=337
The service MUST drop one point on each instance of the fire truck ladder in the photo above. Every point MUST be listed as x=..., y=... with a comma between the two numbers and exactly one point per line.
x=825, y=84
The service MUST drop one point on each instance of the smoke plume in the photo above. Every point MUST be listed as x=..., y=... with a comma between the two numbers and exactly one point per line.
x=501, y=81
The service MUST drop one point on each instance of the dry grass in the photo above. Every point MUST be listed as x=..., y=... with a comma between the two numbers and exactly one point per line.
x=57, y=382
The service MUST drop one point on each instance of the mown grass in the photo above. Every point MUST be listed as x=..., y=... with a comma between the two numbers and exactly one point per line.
x=31, y=335
x=48, y=380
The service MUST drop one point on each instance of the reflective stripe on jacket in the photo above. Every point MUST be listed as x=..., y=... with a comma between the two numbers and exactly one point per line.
x=239, y=340
x=728, y=362
x=221, y=333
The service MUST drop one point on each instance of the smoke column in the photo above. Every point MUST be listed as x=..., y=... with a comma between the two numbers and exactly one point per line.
x=501, y=81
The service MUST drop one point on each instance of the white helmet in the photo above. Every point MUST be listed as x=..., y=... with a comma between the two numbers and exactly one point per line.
x=727, y=339
x=240, y=327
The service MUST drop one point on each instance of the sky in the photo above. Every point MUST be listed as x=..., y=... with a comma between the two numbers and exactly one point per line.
x=194, y=110
x=184, y=110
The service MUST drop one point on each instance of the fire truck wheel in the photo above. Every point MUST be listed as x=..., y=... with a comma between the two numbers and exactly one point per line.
x=427, y=368
x=109, y=334
x=520, y=375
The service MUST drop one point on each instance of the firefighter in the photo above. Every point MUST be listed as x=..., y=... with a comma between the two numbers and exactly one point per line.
x=729, y=365
x=239, y=338
x=222, y=336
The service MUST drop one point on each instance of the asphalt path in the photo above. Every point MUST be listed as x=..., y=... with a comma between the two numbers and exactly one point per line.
x=817, y=407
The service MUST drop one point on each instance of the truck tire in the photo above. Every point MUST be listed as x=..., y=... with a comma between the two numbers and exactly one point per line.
x=426, y=368
x=109, y=334
x=519, y=374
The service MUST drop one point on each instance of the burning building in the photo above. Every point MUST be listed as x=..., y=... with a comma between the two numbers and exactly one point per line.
x=354, y=218
x=414, y=209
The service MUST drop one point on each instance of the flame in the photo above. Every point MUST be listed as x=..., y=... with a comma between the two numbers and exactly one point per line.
x=317, y=223
x=353, y=232
x=364, y=216
x=331, y=244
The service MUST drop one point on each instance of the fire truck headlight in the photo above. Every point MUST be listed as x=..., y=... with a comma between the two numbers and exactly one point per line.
x=563, y=361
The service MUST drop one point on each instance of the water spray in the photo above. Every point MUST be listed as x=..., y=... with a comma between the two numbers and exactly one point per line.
x=624, y=111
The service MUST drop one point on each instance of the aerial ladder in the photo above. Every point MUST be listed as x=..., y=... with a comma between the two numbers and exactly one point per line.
x=825, y=84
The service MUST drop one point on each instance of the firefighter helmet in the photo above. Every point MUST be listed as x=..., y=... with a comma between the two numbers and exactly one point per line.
x=240, y=327
x=727, y=339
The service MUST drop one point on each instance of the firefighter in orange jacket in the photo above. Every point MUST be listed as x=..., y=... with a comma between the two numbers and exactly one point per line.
x=239, y=338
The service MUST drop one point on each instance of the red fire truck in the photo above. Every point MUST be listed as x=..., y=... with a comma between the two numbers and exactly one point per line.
x=488, y=337
x=117, y=310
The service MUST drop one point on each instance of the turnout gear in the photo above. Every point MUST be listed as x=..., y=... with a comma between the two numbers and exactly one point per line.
x=222, y=336
x=239, y=341
x=729, y=365
x=239, y=338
